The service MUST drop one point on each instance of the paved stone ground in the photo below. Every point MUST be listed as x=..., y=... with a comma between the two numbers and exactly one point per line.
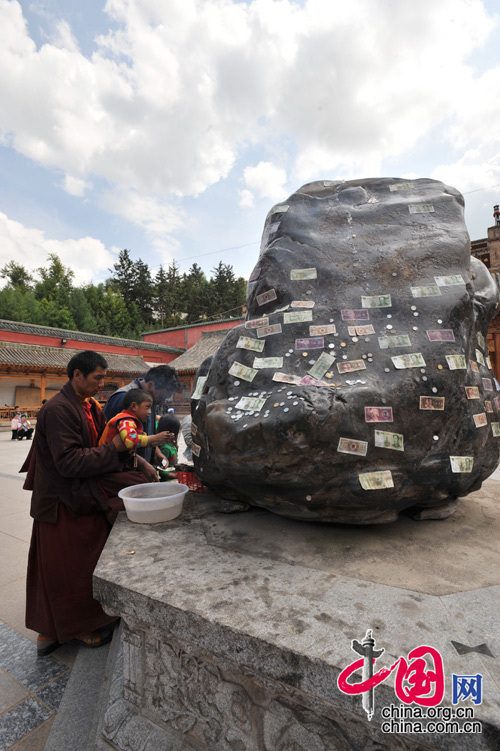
x=30, y=689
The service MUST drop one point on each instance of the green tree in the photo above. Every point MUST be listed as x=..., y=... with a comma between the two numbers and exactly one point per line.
x=18, y=277
x=227, y=294
x=196, y=294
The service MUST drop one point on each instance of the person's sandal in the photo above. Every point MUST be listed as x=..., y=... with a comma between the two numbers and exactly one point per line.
x=94, y=639
x=45, y=645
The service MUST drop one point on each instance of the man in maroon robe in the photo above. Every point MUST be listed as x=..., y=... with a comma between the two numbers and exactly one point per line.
x=74, y=483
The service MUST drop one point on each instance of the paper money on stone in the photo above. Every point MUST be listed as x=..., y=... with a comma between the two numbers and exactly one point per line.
x=195, y=449
x=461, y=464
x=321, y=365
x=281, y=209
x=268, y=330
x=472, y=392
x=487, y=384
x=488, y=362
x=401, y=186
x=376, y=301
x=397, y=340
x=302, y=304
x=322, y=330
x=350, y=446
x=199, y=387
x=254, y=345
x=351, y=330
x=350, y=366
x=440, y=335
x=489, y=406
x=267, y=362
x=355, y=315
x=481, y=341
x=194, y=428
x=309, y=380
x=474, y=366
x=480, y=357
x=480, y=420
x=254, y=275
x=376, y=480
x=497, y=402
x=378, y=414
x=249, y=403
x=413, y=360
x=430, y=291
x=385, y=440
x=269, y=230
x=315, y=342
x=495, y=429
x=449, y=281
x=285, y=378
x=364, y=330
x=256, y=323
x=456, y=362
x=432, y=402
x=421, y=208
x=242, y=371
x=267, y=296
x=297, y=316
x=298, y=275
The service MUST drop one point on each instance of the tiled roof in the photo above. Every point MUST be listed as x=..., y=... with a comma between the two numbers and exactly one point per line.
x=54, y=358
x=204, y=347
x=81, y=336
x=236, y=321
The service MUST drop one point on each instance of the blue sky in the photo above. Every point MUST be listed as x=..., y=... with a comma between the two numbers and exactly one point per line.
x=170, y=127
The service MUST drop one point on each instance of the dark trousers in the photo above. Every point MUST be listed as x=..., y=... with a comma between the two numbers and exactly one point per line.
x=24, y=434
x=14, y=435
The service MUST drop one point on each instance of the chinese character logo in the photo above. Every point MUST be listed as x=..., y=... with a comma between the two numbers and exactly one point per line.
x=419, y=679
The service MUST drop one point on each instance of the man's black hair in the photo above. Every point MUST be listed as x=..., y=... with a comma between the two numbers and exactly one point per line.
x=86, y=362
x=164, y=377
x=136, y=395
x=170, y=423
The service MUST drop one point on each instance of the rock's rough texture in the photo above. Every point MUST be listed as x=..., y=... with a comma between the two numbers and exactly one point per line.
x=379, y=395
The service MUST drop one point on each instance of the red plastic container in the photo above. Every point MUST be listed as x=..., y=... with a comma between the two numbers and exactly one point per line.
x=192, y=481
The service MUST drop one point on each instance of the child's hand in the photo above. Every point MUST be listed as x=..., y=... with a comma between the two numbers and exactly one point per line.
x=159, y=438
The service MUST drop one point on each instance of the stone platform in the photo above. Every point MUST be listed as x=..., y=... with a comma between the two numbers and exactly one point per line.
x=236, y=627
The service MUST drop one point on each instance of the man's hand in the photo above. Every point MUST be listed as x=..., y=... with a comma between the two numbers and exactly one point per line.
x=147, y=469
x=120, y=446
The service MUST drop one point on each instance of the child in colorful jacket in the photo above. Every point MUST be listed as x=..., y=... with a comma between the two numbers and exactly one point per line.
x=129, y=422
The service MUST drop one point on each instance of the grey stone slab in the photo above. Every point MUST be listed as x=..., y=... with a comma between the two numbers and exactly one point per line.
x=21, y=720
x=74, y=720
x=11, y=692
x=406, y=553
x=286, y=623
x=18, y=657
x=52, y=693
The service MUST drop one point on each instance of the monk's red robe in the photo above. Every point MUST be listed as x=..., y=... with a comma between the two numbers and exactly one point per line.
x=75, y=484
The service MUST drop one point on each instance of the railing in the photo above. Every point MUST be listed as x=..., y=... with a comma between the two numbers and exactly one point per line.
x=7, y=413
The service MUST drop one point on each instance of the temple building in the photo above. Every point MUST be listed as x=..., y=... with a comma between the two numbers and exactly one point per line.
x=33, y=362
x=487, y=250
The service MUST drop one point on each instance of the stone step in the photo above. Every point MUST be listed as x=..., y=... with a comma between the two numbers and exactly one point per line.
x=79, y=715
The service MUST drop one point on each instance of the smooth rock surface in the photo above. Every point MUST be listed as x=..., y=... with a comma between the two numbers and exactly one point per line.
x=365, y=299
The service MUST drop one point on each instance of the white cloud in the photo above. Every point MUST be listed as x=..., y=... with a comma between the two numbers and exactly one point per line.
x=86, y=256
x=181, y=90
x=159, y=218
x=75, y=186
x=246, y=198
x=267, y=180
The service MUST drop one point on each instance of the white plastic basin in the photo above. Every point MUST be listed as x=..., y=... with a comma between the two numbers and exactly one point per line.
x=153, y=502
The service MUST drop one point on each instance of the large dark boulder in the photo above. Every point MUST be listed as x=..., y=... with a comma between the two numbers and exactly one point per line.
x=360, y=384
